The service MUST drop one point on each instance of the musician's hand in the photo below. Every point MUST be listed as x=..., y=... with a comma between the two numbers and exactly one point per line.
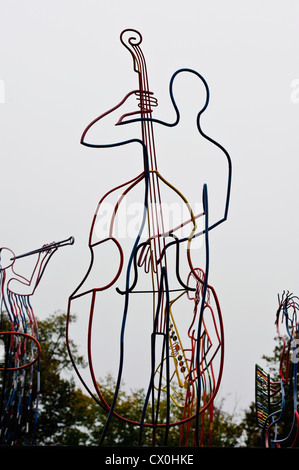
x=144, y=258
x=145, y=102
x=47, y=252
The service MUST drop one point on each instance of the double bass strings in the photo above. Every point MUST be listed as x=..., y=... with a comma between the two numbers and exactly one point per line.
x=155, y=213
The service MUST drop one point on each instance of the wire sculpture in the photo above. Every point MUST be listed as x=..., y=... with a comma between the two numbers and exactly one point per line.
x=277, y=401
x=185, y=363
x=20, y=347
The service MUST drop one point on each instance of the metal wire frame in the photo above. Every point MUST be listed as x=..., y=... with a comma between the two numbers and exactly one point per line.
x=19, y=335
x=286, y=390
x=151, y=179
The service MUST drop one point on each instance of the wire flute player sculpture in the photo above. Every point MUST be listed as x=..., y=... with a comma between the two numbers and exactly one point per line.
x=20, y=346
x=182, y=360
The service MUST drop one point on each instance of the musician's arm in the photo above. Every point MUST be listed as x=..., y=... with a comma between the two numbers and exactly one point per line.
x=24, y=286
x=85, y=141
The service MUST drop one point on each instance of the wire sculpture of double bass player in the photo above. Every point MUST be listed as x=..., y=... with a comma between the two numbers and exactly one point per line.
x=180, y=367
x=20, y=347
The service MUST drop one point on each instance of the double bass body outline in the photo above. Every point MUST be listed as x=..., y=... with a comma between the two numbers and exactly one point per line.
x=196, y=396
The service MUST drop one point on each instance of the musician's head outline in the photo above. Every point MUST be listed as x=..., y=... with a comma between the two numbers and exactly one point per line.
x=176, y=108
x=203, y=82
x=8, y=259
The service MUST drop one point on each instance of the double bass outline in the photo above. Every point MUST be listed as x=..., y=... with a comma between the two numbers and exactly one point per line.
x=155, y=246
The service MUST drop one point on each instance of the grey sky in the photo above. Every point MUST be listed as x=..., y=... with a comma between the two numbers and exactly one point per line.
x=62, y=65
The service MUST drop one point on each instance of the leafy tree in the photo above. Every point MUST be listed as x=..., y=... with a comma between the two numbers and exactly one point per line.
x=251, y=430
x=64, y=411
x=69, y=417
x=228, y=430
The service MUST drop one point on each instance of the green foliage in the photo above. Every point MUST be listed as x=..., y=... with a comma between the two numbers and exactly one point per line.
x=251, y=430
x=64, y=410
x=68, y=417
x=227, y=431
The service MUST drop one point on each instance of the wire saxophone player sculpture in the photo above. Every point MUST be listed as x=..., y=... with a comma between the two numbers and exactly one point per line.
x=20, y=347
x=181, y=362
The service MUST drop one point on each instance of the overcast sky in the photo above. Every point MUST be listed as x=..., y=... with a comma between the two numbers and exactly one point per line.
x=62, y=65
